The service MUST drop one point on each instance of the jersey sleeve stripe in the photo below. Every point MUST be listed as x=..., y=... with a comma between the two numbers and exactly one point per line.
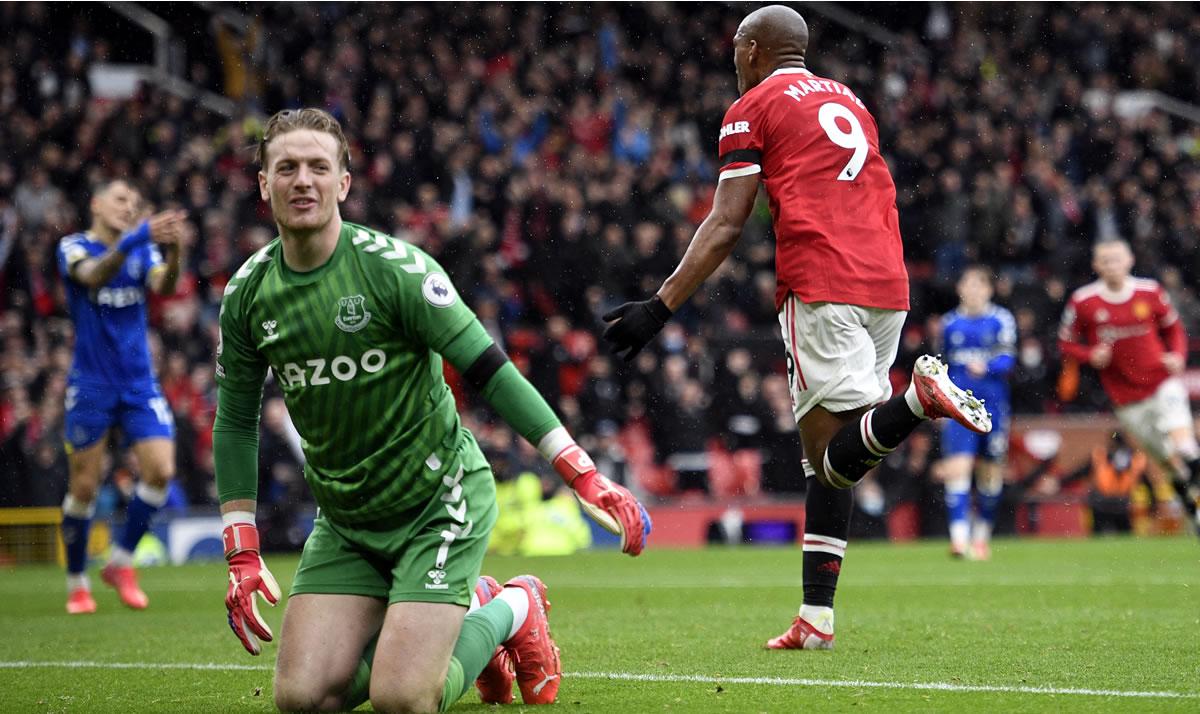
x=739, y=171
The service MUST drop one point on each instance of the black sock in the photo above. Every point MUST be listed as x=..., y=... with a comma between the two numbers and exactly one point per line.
x=1193, y=467
x=826, y=527
x=1189, y=503
x=857, y=447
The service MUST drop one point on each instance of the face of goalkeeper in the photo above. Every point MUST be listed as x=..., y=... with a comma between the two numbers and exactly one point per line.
x=303, y=180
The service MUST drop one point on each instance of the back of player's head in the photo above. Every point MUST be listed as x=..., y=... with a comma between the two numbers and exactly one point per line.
x=307, y=118
x=779, y=31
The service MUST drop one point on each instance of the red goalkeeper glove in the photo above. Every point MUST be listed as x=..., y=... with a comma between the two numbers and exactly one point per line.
x=248, y=575
x=609, y=504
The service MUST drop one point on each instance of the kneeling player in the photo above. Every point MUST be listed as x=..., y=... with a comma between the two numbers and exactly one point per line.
x=978, y=340
x=354, y=324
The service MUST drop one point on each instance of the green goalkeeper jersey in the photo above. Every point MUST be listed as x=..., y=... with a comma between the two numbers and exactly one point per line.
x=354, y=346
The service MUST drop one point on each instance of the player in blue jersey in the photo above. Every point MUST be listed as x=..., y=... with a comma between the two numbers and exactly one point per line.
x=107, y=271
x=978, y=340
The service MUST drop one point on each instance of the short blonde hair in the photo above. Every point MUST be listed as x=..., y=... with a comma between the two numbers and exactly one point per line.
x=307, y=118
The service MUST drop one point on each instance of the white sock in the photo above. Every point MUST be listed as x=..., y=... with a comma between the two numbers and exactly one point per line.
x=913, y=401
x=819, y=617
x=78, y=509
x=959, y=533
x=120, y=557
x=150, y=495
x=75, y=581
x=518, y=601
x=981, y=531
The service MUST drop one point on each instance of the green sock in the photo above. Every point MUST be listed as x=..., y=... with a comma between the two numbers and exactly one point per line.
x=360, y=688
x=482, y=631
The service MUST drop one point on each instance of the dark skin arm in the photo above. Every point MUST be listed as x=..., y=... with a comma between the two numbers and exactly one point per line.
x=96, y=272
x=164, y=277
x=714, y=239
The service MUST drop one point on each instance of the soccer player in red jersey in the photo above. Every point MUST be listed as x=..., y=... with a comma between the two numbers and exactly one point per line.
x=1126, y=328
x=842, y=290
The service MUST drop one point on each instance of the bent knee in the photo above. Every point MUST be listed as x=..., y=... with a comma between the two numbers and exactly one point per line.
x=309, y=696
x=401, y=699
x=83, y=491
x=157, y=479
x=157, y=473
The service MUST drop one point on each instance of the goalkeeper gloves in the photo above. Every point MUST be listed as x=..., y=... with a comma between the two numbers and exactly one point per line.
x=636, y=324
x=609, y=504
x=248, y=575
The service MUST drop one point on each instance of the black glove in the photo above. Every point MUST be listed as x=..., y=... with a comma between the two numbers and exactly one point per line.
x=636, y=324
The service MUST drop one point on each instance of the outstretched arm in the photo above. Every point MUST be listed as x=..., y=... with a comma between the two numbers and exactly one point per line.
x=485, y=366
x=714, y=239
x=634, y=324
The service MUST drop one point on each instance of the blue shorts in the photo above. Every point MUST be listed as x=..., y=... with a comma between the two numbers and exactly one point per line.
x=958, y=440
x=140, y=410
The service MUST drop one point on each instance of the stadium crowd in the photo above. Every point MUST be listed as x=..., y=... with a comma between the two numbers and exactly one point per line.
x=556, y=160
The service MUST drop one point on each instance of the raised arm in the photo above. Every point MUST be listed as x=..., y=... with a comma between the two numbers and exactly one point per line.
x=96, y=272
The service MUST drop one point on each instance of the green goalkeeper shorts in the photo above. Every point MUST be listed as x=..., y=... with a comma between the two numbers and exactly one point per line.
x=433, y=554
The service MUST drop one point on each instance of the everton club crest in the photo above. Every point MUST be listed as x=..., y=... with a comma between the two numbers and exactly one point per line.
x=352, y=314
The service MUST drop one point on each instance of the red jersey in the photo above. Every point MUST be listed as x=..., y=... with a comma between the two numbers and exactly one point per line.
x=1139, y=324
x=833, y=203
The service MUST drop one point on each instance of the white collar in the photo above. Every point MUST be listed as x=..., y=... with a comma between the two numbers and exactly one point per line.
x=1119, y=296
x=790, y=70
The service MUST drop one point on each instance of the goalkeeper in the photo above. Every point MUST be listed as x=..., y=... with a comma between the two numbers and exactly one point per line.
x=354, y=325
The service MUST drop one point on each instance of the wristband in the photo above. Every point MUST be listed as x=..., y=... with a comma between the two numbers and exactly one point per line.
x=239, y=537
x=658, y=309
x=572, y=463
x=135, y=238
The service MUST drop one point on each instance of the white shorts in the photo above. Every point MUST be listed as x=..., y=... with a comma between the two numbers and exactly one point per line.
x=838, y=355
x=1150, y=421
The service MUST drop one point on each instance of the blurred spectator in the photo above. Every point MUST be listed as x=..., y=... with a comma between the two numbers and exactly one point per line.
x=556, y=159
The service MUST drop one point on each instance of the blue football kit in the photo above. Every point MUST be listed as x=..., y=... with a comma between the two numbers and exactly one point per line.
x=990, y=338
x=111, y=382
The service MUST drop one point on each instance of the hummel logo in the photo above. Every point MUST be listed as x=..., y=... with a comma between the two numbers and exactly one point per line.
x=548, y=678
x=269, y=326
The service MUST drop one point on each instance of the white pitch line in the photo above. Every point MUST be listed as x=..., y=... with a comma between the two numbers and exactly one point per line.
x=662, y=678
x=85, y=664
x=862, y=684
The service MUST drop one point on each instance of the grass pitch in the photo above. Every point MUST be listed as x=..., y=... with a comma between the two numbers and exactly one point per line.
x=1062, y=626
